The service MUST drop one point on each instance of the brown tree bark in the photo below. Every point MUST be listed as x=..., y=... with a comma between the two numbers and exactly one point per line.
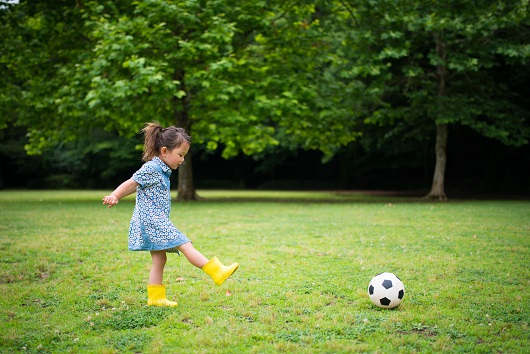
x=186, y=188
x=438, y=181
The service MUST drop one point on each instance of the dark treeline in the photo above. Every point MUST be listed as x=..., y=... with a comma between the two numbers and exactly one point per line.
x=476, y=166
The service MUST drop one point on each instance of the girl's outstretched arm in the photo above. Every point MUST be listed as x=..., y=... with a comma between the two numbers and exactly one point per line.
x=123, y=190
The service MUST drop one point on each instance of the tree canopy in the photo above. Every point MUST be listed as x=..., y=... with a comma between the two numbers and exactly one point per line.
x=442, y=62
x=253, y=77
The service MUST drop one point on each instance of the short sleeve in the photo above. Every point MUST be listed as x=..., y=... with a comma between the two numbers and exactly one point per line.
x=146, y=176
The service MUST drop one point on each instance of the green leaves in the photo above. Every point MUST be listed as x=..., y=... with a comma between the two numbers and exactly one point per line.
x=251, y=76
x=463, y=45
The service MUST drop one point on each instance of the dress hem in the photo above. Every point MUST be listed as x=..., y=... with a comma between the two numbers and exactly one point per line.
x=163, y=248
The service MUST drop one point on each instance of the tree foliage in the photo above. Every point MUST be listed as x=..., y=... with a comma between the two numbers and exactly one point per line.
x=442, y=62
x=242, y=76
x=257, y=77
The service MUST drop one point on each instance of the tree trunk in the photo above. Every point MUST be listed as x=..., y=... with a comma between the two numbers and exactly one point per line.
x=438, y=181
x=186, y=188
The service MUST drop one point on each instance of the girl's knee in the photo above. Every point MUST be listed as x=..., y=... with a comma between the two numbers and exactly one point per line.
x=185, y=247
x=159, y=257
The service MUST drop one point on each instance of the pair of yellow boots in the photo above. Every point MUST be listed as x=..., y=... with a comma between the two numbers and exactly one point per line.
x=214, y=268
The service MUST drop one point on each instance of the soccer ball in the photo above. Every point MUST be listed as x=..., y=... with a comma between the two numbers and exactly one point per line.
x=386, y=290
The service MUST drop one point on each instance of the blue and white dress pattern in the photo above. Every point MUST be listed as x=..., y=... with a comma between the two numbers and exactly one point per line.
x=150, y=228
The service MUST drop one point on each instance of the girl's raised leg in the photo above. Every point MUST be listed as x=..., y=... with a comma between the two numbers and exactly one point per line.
x=194, y=257
x=213, y=267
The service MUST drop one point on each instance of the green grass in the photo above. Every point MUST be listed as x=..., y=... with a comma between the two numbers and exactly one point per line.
x=69, y=284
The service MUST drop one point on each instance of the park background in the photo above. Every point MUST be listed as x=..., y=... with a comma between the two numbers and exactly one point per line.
x=349, y=95
x=417, y=98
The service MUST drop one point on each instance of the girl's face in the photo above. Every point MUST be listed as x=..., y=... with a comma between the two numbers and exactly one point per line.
x=174, y=158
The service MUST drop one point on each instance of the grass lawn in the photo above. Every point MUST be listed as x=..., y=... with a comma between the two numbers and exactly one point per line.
x=69, y=284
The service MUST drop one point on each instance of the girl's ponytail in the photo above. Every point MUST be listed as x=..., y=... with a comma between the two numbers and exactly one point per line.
x=151, y=132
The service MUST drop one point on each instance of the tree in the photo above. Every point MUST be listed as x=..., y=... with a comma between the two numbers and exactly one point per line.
x=439, y=60
x=143, y=66
x=235, y=75
x=124, y=64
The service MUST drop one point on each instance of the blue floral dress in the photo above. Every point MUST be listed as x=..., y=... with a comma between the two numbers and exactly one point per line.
x=150, y=228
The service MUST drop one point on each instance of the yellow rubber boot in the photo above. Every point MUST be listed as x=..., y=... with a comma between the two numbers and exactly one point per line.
x=157, y=296
x=219, y=273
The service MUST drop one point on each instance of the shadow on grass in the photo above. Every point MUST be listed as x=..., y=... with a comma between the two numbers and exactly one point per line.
x=325, y=197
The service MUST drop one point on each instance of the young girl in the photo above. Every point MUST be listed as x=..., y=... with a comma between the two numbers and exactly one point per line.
x=150, y=228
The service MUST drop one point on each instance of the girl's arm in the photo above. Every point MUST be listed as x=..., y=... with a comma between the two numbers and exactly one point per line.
x=126, y=188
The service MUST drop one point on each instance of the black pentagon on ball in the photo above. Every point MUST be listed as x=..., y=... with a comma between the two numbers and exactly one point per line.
x=384, y=301
x=371, y=289
x=401, y=294
x=387, y=284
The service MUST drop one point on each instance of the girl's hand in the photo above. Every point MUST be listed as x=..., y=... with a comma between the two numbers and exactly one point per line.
x=123, y=190
x=110, y=200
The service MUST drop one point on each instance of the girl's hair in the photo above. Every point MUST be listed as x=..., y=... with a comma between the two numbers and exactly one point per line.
x=157, y=137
